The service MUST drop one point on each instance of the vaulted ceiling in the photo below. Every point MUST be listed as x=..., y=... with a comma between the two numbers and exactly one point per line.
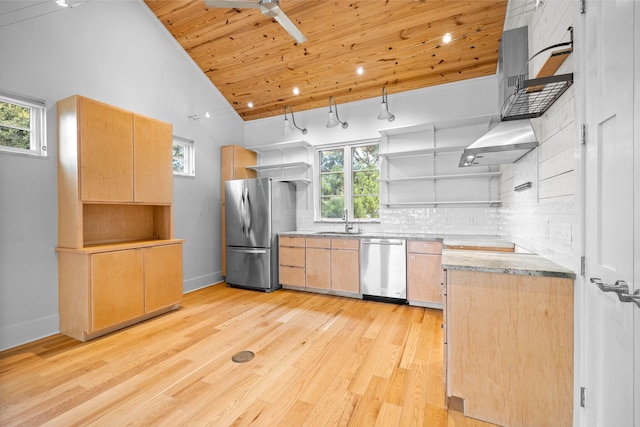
x=399, y=44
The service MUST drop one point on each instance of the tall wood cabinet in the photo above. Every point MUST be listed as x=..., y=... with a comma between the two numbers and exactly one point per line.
x=233, y=165
x=118, y=261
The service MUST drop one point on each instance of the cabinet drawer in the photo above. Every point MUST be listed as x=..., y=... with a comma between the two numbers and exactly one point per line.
x=292, y=241
x=424, y=247
x=313, y=242
x=353, y=244
x=293, y=276
x=293, y=257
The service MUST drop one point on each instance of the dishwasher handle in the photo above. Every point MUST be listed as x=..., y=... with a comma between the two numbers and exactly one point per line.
x=384, y=242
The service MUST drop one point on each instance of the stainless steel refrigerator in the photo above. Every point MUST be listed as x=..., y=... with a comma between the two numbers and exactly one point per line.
x=256, y=210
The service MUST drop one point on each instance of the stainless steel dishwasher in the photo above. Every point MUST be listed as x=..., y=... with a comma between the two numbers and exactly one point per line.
x=383, y=269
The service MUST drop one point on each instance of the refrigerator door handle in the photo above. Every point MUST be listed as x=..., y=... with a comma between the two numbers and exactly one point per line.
x=242, y=215
x=248, y=213
x=248, y=251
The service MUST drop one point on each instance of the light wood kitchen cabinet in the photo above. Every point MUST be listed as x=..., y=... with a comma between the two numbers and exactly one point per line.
x=102, y=290
x=121, y=156
x=233, y=165
x=153, y=159
x=118, y=262
x=345, y=265
x=509, y=347
x=292, y=261
x=162, y=276
x=424, y=273
x=318, y=263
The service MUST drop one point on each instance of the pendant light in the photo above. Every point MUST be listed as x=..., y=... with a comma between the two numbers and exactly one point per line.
x=288, y=126
x=384, y=108
x=333, y=117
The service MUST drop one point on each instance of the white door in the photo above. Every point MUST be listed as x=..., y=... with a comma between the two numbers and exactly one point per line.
x=609, y=332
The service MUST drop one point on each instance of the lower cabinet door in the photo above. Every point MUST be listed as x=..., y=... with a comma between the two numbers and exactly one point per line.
x=424, y=274
x=117, y=293
x=318, y=268
x=162, y=276
x=345, y=272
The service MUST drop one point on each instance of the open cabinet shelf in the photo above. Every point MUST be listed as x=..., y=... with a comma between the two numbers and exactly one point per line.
x=419, y=165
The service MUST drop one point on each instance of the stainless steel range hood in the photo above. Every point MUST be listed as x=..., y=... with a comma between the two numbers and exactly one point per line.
x=509, y=140
x=505, y=143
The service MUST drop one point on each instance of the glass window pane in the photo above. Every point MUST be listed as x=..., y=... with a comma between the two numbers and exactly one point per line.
x=16, y=138
x=178, y=158
x=15, y=115
x=331, y=161
x=366, y=182
x=365, y=157
x=332, y=207
x=366, y=207
x=332, y=184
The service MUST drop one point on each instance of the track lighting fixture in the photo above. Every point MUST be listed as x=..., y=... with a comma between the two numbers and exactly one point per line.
x=197, y=117
x=333, y=117
x=384, y=108
x=288, y=126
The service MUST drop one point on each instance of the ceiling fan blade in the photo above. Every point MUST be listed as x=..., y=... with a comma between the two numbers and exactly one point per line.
x=290, y=27
x=233, y=4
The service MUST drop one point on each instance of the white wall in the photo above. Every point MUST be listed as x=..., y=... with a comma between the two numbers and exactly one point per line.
x=546, y=218
x=115, y=52
x=468, y=98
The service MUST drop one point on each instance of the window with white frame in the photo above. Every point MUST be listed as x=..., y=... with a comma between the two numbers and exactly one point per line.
x=22, y=124
x=348, y=178
x=183, y=157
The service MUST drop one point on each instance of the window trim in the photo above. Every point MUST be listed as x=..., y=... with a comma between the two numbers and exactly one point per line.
x=348, y=179
x=37, y=125
x=189, y=156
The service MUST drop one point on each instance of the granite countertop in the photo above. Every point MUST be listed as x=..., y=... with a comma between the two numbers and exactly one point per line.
x=505, y=263
x=446, y=239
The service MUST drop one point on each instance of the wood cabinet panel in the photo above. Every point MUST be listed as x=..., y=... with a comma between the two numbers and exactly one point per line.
x=424, y=275
x=106, y=152
x=345, y=270
x=352, y=244
x=162, y=277
x=317, y=242
x=318, y=267
x=117, y=294
x=292, y=241
x=292, y=257
x=424, y=247
x=153, y=172
x=293, y=276
x=510, y=347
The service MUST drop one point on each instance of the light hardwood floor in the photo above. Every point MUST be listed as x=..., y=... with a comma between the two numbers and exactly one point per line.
x=319, y=361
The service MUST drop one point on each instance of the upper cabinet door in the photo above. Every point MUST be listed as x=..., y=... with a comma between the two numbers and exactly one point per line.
x=106, y=152
x=153, y=171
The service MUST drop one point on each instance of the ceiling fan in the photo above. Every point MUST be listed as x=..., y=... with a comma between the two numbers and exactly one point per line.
x=269, y=8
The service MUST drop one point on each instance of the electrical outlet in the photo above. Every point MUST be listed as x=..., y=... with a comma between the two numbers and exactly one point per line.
x=447, y=220
x=472, y=220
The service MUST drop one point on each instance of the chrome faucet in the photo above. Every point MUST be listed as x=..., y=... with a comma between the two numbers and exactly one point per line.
x=347, y=227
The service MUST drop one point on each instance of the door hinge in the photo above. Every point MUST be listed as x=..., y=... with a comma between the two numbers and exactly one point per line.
x=583, y=134
x=583, y=397
x=583, y=6
x=583, y=265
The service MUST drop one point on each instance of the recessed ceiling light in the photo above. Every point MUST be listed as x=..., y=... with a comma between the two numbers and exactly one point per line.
x=296, y=91
x=360, y=71
x=62, y=3
x=446, y=38
x=250, y=104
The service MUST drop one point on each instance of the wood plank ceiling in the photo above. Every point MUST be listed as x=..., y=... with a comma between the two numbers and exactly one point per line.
x=249, y=57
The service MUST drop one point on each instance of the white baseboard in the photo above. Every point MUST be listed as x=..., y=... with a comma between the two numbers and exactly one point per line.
x=22, y=333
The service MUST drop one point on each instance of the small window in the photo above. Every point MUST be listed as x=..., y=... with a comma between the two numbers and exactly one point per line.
x=349, y=179
x=22, y=125
x=183, y=157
